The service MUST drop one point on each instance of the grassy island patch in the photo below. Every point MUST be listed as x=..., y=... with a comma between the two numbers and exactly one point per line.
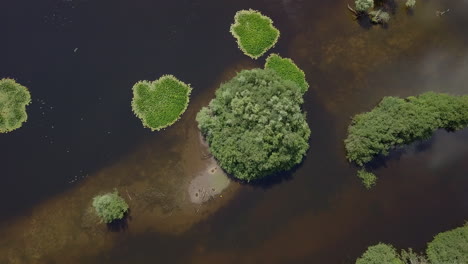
x=288, y=70
x=395, y=122
x=110, y=207
x=13, y=100
x=254, y=32
x=255, y=126
x=160, y=104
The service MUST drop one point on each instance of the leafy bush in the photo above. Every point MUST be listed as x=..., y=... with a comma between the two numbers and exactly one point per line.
x=379, y=17
x=411, y=257
x=397, y=121
x=368, y=178
x=255, y=126
x=410, y=3
x=380, y=254
x=13, y=100
x=160, y=104
x=288, y=70
x=364, y=5
x=110, y=206
x=254, y=32
x=449, y=247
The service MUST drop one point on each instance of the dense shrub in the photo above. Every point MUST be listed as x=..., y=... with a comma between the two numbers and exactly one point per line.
x=13, y=100
x=160, y=104
x=255, y=125
x=110, y=206
x=364, y=5
x=410, y=3
x=397, y=121
x=288, y=70
x=380, y=254
x=449, y=247
x=254, y=32
x=368, y=178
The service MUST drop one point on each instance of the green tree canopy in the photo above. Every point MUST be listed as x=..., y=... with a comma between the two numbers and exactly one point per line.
x=255, y=125
x=160, y=104
x=254, y=32
x=380, y=254
x=449, y=247
x=364, y=5
x=110, y=206
x=13, y=100
x=397, y=121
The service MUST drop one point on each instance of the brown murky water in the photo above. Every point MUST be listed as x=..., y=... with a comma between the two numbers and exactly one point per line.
x=82, y=139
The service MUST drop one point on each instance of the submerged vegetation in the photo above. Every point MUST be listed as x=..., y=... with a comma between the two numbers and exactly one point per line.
x=110, y=207
x=254, y=32
x=160, y=104
x=255, y=126
x=288, y=70
x=447, y=247
x=13, y=100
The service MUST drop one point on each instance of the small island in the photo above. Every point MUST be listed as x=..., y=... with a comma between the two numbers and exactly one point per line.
x=110, y=207
x=395, y=122
x=254, y=32
x=160, y=104
x=446, y=247
x=288, y=70
x=255, y=126
x=13, y=101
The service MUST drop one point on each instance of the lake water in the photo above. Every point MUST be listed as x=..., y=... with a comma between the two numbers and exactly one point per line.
x=80, y=58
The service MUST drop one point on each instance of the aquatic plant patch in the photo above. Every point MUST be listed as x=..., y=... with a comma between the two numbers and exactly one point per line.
x=110, y=207
x=288, y=70
x=254, y=32
x=160, y=104
x=255, y=126
x=13, y=100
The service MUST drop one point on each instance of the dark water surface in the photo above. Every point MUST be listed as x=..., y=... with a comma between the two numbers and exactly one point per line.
x=82, y=138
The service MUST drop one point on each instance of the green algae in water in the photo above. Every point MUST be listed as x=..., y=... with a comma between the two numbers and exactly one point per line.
x=288, y=70
x=160, y=104
x=254, y=32
x=13, y=100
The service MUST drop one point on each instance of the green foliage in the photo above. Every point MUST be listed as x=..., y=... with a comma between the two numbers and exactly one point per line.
x=449, y=247
x=254, y=32
x=379, y=17
x=410, y=3
x=364, y=5
x=255, y=126
x=110, y=206
x=380, y=254
x=368, y=178
x=13, y=100
x=288, y=70
x=160, y=104
x=397, y=121
x=411, y=257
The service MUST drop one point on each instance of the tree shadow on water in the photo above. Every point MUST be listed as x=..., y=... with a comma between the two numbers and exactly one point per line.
x=120, y=224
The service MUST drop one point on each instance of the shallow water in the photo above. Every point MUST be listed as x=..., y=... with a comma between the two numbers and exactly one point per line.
x=80, y=58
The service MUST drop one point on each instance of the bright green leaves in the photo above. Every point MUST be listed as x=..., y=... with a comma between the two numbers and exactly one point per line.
x=288, y=70
x=449, y=247
x=380, y=254
x=110, y=207
x=160, y=104
x=254, y=32
x=13, y=100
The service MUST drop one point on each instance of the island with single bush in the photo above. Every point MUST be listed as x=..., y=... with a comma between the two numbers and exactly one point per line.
x=446, y=247
x=254, y=32
x=396, y=122
x=13, y=101
x=255, y=125
x=110, y=207
x=160, y=104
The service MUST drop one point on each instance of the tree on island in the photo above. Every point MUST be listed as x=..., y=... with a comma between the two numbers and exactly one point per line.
x=255, y=126
x=13, y=101
x=110, y=207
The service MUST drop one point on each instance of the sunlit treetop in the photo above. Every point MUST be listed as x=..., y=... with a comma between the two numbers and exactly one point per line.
x=254, y=32
x=13, y=100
